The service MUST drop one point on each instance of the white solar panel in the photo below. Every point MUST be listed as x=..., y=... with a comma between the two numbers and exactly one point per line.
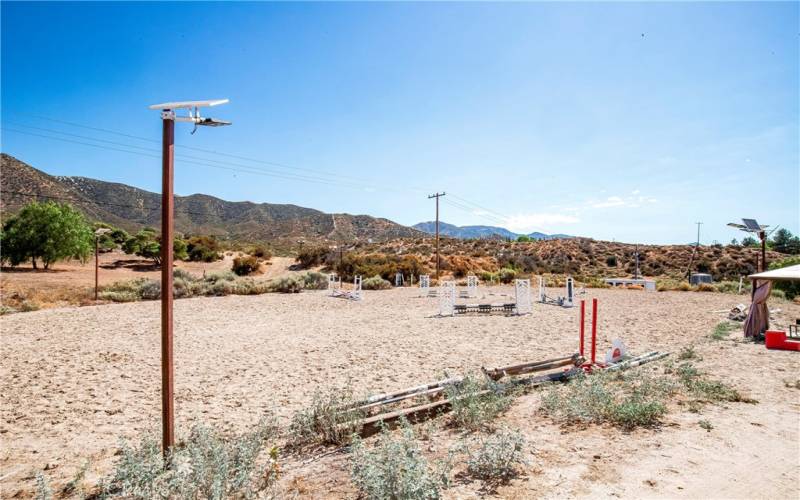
x=751, y=224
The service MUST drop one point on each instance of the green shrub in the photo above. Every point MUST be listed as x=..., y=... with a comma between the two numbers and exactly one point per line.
x=312, y=257
x=731, y=287
x=375, y=283
x=245, y=265
x=218, y=276
x=313, y=280
x=498, y=457
x=506, y=275
x=207, y=464
x=611, y=261
x=395, y=468
x=487, y=277
x=119, y=296
x=287, y=284
x=777, y=293
x=203, y=249
x=260, y=252
x=328, y=419
x=476, y=401
x=43, y=490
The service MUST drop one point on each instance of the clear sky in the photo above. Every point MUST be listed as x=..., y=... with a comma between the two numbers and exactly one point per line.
x=621, y=121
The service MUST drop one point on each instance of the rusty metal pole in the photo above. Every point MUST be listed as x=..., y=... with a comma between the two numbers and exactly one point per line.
x=167, y=365
x=96, y=264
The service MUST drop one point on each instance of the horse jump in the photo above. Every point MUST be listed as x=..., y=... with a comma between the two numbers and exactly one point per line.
x=567, y=301
x=520, y=306
x=354, y=294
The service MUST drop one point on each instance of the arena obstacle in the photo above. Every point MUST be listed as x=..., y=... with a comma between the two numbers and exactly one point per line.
x=472, y=288
x=567, y=301
x=333, y=284
x=354, y=294
x=520, y=306
x=425, y=289
x=399, y=280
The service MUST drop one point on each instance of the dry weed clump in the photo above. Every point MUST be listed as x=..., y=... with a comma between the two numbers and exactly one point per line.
x=332, y=418
x=498, y=457
x=476, y=401
x=627, y=400
x=376, y=283
x=396, y=468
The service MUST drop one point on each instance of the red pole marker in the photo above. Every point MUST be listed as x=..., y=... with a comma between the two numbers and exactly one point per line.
x=594, y=329
x=583, y=320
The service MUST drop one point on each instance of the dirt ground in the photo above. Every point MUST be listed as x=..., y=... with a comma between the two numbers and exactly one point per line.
x=72, y=282
x=76, y=379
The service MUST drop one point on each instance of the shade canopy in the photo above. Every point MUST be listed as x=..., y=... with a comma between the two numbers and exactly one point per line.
x=791, y=273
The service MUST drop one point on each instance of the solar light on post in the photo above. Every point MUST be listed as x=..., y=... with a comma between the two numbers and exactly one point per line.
x=751, y=226
x=168, y=118
x=97, y=234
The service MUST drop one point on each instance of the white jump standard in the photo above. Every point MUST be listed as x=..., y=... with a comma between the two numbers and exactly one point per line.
x=521, y=304
x=425, y=289
x=354, y=294
x=567, y=301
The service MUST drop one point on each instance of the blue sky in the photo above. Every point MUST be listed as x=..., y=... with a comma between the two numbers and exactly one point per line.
x=621, y=121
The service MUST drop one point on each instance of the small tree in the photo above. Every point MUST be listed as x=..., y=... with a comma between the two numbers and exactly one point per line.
x=146, y=243
x=749, y=241
x=785, y=242
x=48, y=232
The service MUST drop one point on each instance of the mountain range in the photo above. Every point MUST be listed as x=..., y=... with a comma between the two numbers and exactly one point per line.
x=132, y=209
x=481, y=232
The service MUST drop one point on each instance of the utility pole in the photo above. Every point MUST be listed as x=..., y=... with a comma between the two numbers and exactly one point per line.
x=636, y=255
x=438, y=262
x=97, y=234
x=698, y=233
x=168, y=119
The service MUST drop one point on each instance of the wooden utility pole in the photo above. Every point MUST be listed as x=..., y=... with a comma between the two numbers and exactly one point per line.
x=698, y=232
x=167, y=364
x=438, y=262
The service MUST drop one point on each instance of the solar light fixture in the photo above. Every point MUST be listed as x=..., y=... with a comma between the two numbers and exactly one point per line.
x=751, y=226
x=168, y=118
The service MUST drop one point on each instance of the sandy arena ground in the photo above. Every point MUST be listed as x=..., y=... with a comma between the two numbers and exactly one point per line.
x=75, y=380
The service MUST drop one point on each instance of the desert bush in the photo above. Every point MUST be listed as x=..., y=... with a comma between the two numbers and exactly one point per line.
x=28, y=306
x=312, y=257
x=498, y=457
x=611, y=261
x=183, y=274
x=118, y=296
x=625, y=400
x=375, y=283
x=705, y=287
x=203, y=249
x=150, y=289
x=323, y=421
x=260, y=252
x=313, y=280
x=731, y=287
x=395, y=468
x=43, y=490
x=287, y=284
x=4, y=309
x=245, y=265
x=506, y=275
x=386, y=266
x=476, y=401
x=207, y=464
x=218, y=276
x=487, y=277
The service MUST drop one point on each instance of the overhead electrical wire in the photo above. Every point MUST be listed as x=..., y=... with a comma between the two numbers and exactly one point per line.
x=457, y=202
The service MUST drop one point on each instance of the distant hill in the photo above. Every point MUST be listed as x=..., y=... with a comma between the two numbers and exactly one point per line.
x=480, y=232
x=132, y=208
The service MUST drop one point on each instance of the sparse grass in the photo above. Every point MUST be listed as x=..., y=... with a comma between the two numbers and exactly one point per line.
x=324, y=422
x=207, y=464
x=395, y=468
x=627, y=400
x=723, y=329
x=705, y=424
x=4, y=309
x=688, y=352
x=476, y=401
x=706, y=389
x=498, y=457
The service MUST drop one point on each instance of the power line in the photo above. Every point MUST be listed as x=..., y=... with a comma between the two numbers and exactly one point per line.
x=334, y=180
